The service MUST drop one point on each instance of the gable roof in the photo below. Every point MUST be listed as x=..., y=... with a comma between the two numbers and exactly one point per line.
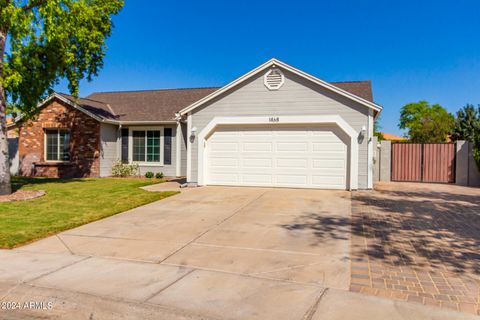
x=157, y=106
x=160, y=105
x=274, y=62
x=362, y=89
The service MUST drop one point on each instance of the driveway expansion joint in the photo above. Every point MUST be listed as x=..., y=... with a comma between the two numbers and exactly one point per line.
x=311, y=312
x=246, y=275
x=214, y=226
x=182, y=312
x=56, y=270
x=168, y=285
x=64, y=244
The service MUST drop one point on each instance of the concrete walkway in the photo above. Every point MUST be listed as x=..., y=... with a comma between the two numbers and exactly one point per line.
x=209, y=253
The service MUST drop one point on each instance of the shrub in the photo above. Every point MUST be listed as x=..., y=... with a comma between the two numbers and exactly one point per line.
x=159, y=175
x=476, y=150
x=121, y=169
x=149, y=175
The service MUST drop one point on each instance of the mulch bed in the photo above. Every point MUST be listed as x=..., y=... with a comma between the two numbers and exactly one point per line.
x=21, y=195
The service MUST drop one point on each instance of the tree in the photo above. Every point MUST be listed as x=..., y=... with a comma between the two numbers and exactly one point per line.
x=376, y=129
x=467, y=123
x=476, y=149
x=426, y=123
x=48, y=40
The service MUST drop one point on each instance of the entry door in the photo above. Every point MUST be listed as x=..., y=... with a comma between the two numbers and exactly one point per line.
x=296, y=157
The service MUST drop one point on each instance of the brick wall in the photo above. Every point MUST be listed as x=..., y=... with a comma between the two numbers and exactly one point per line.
x=84, y=143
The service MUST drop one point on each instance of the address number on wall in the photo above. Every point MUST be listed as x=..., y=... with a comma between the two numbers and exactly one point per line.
x=274, y=119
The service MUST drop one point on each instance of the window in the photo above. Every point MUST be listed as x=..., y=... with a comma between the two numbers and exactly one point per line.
x=57, y=145
x=146, y=146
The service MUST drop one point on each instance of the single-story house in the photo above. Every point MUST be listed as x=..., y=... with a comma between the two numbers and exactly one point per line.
x=12, y=130
x=275, y=126
x=392, y=137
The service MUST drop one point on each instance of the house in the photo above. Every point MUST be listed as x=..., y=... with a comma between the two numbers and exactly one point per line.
x=12, y=130
x=392, y=137
x=274, y=126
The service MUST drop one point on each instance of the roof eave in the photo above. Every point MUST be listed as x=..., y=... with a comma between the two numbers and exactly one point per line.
x=146, y=122
x=285, y=66
x=65, y=100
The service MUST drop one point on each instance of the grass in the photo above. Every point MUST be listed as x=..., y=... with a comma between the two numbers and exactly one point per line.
x=68, y=203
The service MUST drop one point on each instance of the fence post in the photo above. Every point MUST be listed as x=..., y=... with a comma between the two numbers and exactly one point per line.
x=473, y=170
x=376, y=159
x=461, y=165
x=385, y=160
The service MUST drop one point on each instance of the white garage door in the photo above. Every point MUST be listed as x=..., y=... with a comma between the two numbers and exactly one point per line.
x=313, y=157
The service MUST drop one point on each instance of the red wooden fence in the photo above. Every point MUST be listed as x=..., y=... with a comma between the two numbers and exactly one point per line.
x=430, y=162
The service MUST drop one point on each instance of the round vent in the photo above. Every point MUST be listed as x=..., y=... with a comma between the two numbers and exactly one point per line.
x=274, y=79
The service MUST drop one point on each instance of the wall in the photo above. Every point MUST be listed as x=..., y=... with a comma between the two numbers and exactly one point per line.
x=467, y=173
x=384, y=156
x=296, y=97
x=108, y=148
x=84, y=143
x=376, y=159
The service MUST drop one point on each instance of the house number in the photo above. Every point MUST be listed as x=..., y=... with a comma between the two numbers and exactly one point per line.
x=274, y=119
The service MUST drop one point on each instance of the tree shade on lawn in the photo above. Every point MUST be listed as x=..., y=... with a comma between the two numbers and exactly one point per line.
x=68, y=203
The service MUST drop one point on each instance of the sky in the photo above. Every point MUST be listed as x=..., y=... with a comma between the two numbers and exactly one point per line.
x=410, y=50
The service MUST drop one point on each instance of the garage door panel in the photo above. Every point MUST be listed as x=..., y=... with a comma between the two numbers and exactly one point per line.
x=292, y=179
x=319, y=180
x=257, y=147
x=291, y=147
x=256, y=179
x=224, y=147
x=328, y=164
x=257, y=163
x=277, y=156
x=328, y=147
x=223, y=162
x=292, y=163
x=225, y=178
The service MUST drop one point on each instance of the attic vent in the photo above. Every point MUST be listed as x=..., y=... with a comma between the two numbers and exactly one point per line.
x=274, y=79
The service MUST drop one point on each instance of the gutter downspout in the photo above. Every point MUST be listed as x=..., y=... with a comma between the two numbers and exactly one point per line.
x=178, y=146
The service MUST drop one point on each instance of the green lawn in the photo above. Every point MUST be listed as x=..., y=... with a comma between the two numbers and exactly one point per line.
x=68, y=203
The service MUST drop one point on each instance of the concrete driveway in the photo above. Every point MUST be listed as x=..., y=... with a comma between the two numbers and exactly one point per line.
x=208, y=253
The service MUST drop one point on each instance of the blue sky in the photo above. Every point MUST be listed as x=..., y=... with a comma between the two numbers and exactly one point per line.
x=411, y=50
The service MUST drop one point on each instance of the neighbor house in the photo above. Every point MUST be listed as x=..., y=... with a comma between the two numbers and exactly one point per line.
x=275, y=126
x=392, y=137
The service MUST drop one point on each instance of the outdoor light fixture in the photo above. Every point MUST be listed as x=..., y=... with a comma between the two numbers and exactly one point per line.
x=193, y=131
x=364, y=130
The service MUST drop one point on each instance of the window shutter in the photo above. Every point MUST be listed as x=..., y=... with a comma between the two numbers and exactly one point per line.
x=125, y=145
x=167, y=146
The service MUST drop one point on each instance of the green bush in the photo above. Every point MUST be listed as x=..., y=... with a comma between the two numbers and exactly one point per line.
x=159, y=175
x=121, y=169
x=149, y=175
